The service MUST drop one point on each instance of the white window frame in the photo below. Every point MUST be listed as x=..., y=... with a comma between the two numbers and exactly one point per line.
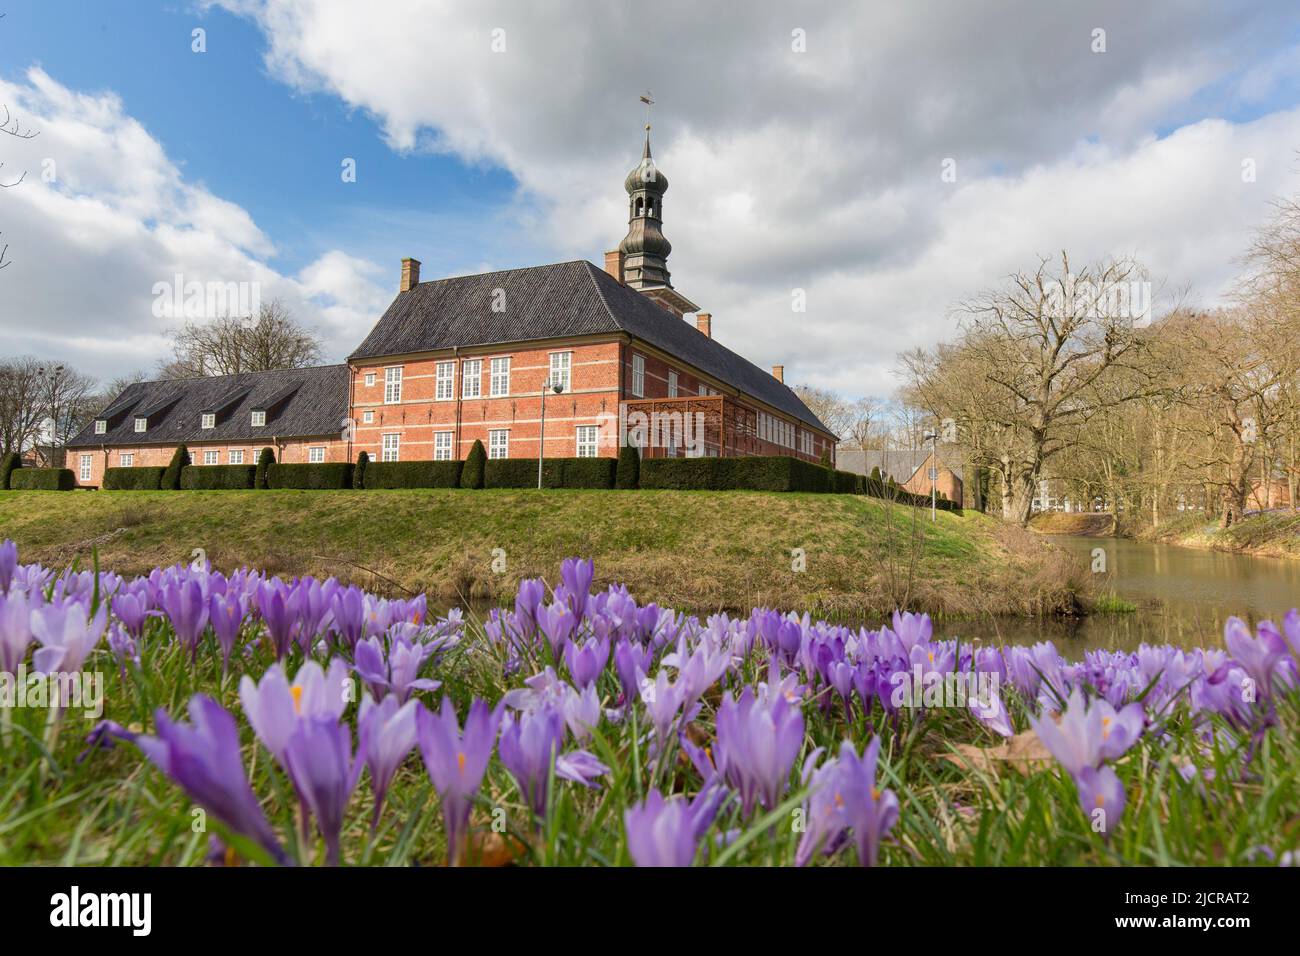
x=471, y=379
x=501, y=437
x=442, y=446
x=126, y=459
x=561, y=370
x=259, y=418
x=370, y=380
x=211, y=457
x=445, y=389
x=499, y=385
x=208, y=420
x=368, y=416
x=587, y=441
x=236, y=456
x=101, y=426
x=316, y=455
x=393, y=385
x=86, y=466
x=672, y=383
x=392, y=443
x=141, y=423
x=638, y=375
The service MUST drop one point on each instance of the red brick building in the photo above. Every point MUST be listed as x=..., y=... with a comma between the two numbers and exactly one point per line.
x=607, y=356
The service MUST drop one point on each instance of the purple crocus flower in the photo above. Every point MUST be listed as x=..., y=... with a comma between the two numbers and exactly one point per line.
x=132, y=609
x=186, y=606
x=530, y=743
x=757, y=743
x=579, y=766
x=1258, y=656
x=386, y=734
x=8, y=561
x=586, y=661
x=226, y=613
x=67, y=635
x=319, y=759
x=395, y=668
x=15, y=630
x=661, y=832
x=456, y=762
x=274, y=706
x=576, y=575
x=204, y=760
x=277, y=604
x=845, y=797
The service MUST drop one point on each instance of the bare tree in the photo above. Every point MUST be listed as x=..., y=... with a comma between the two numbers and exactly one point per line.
x=851, y=419
x=227, y=346
x=21, y=411
x=11, y=127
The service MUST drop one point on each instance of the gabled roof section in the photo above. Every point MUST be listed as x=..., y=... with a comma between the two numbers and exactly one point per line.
x=300, y=402
x=563, y=300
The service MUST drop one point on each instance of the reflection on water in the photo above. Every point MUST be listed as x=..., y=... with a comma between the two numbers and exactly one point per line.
x=1183, y=595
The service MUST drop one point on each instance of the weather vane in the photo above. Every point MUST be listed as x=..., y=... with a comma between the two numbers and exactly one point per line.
x=646, y=99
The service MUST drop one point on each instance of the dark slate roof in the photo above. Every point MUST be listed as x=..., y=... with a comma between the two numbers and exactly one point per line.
x=559, y=301
x=899, y=463
x=316, y=406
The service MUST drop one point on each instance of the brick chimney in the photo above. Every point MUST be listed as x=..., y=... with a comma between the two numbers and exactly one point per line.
x=704, y=322
x=614, y=264
x=778, y=373
x=410, y=274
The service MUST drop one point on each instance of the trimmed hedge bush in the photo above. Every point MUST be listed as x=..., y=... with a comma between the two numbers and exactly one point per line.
x=218, y=477
x=42, y=479
x=471, y=476
x=556, y=473
x=845, y=482
x=171, y=478
x=413, y=474
x=8, y=465
x=750, y=473
x=359, y=470
x=133, y=479
x=321, y=476
x=265, y=459
x=628, y=472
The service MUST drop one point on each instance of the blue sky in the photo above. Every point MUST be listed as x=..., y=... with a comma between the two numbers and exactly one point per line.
x=812, y=170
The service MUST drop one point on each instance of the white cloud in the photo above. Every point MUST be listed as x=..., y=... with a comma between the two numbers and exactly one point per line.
x=820, y=170
x=88, y=243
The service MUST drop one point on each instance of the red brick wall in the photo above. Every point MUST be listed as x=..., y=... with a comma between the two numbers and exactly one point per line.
x=946, y=483
x=289, y=452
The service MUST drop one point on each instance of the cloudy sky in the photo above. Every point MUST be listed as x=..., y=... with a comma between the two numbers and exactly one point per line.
x=805, y=145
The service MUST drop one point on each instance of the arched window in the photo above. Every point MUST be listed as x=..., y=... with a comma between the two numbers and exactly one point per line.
x=650, y=207
x=639, y=200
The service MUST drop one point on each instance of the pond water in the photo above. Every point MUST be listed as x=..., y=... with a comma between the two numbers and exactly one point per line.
x=1183, y=595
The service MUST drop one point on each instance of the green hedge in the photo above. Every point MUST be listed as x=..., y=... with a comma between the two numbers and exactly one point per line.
x=42, y=479
x=218, y=477
x=471, y=476
x=627, y=474
x=891, y=491
x=413, y=474
x=845, y=482
x=8, y=465
x=556, y=473
x=325, y=475
x=133, y=479
x=751, y=473
x=265, y=459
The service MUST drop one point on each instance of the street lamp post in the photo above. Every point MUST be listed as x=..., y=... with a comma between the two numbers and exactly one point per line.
x=51, y=376
x=557, y=388
x=933, y=439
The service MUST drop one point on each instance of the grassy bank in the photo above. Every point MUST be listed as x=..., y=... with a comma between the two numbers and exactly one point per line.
x=698, y=550
x=1090, y=525
x=1274, y=534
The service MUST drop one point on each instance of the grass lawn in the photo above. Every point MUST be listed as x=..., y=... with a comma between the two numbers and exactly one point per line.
x=692, y=549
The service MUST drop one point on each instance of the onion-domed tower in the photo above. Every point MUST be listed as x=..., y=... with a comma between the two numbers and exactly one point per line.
x=645, y=249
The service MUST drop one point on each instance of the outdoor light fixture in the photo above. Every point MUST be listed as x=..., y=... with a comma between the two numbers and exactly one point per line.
x=557, y=387
x=933, y=439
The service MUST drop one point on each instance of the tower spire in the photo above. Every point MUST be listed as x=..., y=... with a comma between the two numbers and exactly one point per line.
x=645, y=249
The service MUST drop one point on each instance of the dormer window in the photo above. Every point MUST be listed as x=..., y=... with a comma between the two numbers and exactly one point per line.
x=209, y=420
x=141, y=423
x=259, y=418
x=101, y=426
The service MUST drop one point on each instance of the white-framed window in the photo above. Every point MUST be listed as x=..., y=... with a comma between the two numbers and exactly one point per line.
x=392, y=386
x=562, y=369
x=370, y=380
x=126, y=459
x=237, y=457
x=141, y=423
x=500, y=384
x=672, y=383
x=471, y=379
x=588, y=440
x=85, y=468
x=934, y=473
x=212, y=458
x=499, y=443
x=101, y=426
x=368, y=416
x=446, y=388
x=638, y=375
x=316, y=454
x=259, y=417
x=392, y=447
x=208, y=420
x=442, y=446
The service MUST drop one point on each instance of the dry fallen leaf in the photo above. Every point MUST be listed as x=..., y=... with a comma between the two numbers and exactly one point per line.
x=492, y=849
x=1025, y=752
